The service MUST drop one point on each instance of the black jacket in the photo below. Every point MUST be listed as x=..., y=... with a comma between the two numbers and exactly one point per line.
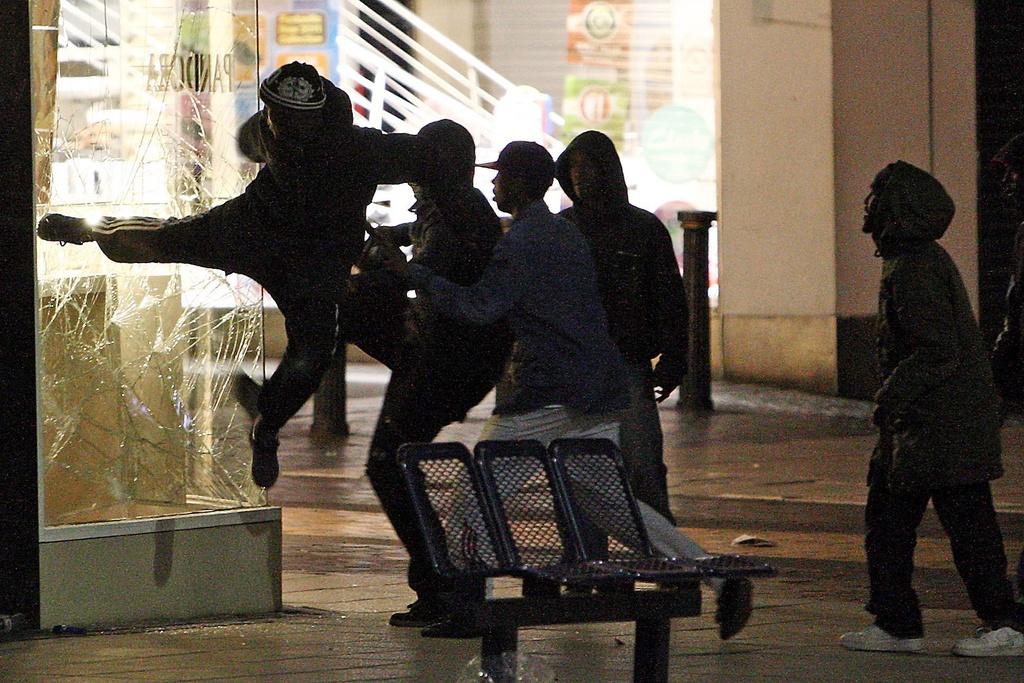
x=1007, y=361
x=454, y=235
x=309, y=201
x=637, y=272
x=940, y=411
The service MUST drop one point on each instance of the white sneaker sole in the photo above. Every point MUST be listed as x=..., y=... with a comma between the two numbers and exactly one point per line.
x=1003, y=651
x=908, y=645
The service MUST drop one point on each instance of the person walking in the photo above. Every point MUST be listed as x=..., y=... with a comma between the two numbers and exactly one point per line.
x=645, y=301
x=938, y=420
x=1008, y=352
x=643, y=296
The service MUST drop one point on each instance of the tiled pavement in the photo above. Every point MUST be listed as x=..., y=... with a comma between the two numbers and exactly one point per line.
x=779, y=465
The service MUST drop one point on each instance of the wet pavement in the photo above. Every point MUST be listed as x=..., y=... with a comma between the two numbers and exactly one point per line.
x=783, y=466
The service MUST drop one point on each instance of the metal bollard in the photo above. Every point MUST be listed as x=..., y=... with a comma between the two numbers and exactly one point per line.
x=329, y=410
x=695, y=393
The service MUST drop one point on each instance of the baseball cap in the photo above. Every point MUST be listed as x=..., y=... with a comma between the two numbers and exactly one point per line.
x=294, y=86
x=525, y=160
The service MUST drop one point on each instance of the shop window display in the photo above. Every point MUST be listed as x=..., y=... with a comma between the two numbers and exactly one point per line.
x=137, y=105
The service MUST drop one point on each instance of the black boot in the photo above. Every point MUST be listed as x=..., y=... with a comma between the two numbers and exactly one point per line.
x=264, y=454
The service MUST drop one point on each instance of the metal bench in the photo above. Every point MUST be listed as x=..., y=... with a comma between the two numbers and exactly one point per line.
x=562, y=516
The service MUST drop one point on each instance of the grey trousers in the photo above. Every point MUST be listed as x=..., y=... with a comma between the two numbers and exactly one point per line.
x=641, y=442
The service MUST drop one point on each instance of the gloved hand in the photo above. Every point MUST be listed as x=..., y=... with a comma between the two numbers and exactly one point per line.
x=668, y=374
x=391, y=257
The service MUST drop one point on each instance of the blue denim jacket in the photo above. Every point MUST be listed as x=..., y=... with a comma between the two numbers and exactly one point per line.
x=541, y=276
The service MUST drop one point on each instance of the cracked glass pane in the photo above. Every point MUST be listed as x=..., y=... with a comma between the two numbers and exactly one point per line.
x=137, y=107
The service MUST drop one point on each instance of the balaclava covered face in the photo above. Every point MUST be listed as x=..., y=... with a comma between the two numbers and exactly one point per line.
x=906, y=209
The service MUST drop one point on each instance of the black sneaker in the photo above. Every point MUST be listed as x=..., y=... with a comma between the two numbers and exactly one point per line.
x=420, y=614
x=734, y=607
x=55, y=227
x=264, y=455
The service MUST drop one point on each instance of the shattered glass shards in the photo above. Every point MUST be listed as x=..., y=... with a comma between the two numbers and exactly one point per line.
x=137, y=107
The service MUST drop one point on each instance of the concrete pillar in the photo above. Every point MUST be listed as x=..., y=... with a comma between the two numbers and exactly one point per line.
x=808, y=115
x=776, y=208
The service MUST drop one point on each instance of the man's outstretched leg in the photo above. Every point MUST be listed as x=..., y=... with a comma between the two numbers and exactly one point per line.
x=213, y=239
x=735, y=596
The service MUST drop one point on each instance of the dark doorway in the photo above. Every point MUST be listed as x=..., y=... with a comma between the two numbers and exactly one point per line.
x=1000, y=93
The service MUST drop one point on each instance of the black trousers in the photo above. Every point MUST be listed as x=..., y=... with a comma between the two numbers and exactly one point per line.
x=437, y=376
x=969, y=520
x=232, y=237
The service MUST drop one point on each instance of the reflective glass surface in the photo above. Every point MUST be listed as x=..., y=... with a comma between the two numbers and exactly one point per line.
x=137, y=107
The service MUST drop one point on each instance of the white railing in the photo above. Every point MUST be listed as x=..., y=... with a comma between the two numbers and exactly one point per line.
x=394, y=79
x=415, y=83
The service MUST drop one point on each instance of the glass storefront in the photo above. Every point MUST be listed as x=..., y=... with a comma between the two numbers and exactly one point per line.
x=642, y=71
x=137, y=104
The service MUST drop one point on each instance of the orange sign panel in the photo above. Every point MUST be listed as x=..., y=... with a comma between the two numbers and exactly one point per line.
x=301, y=28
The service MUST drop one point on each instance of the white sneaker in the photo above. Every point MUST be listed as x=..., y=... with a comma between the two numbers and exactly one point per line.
x=875, y=639
x=1003, y=642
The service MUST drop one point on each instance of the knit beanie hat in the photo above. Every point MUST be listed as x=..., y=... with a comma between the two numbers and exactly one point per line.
x=294, y=86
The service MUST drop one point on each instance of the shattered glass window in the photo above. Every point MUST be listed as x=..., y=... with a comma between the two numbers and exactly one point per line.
x=137, y=107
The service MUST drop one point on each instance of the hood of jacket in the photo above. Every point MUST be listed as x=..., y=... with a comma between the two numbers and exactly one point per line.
x=598, y=150
x=454, y=144
x=908, y=208
x=337, y=107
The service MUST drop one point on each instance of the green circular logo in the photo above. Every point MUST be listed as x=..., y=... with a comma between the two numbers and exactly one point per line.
x=677, y=143
x=600, y=20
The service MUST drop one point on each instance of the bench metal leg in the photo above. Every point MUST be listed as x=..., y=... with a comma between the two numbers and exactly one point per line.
x=498, y=654
x=650, y=652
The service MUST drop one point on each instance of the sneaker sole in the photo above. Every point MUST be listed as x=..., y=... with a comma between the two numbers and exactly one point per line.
x=1008, y=651
x=907, y=648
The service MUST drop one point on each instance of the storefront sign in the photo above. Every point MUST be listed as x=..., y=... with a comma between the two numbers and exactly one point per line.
x=678, y=143
x=591, y=104
x=193, y=72
x=600, y=32
x=301, y=28
x=299, y=31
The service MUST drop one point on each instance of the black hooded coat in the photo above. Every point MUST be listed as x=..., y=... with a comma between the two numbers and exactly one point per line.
x=1008, y=352
x=309, y=200
x=937, y=402
x=637, y=273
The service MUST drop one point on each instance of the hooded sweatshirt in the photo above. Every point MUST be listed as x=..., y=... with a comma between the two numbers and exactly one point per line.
x=937, y=389
x=638, y=276
x=1008, y=352
x=309, y=199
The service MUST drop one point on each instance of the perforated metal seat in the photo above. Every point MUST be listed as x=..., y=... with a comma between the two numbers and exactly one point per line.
x=598, y=494
x=531, y=516
x=451, y=510
x=561, y=517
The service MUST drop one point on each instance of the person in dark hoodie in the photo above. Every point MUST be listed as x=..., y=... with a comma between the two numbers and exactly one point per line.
x=297, y=228
x=1008, y=352
x=645, y=301
x=938, y=420
x=440, y=367
x=1007, y=360
x=643, y=296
